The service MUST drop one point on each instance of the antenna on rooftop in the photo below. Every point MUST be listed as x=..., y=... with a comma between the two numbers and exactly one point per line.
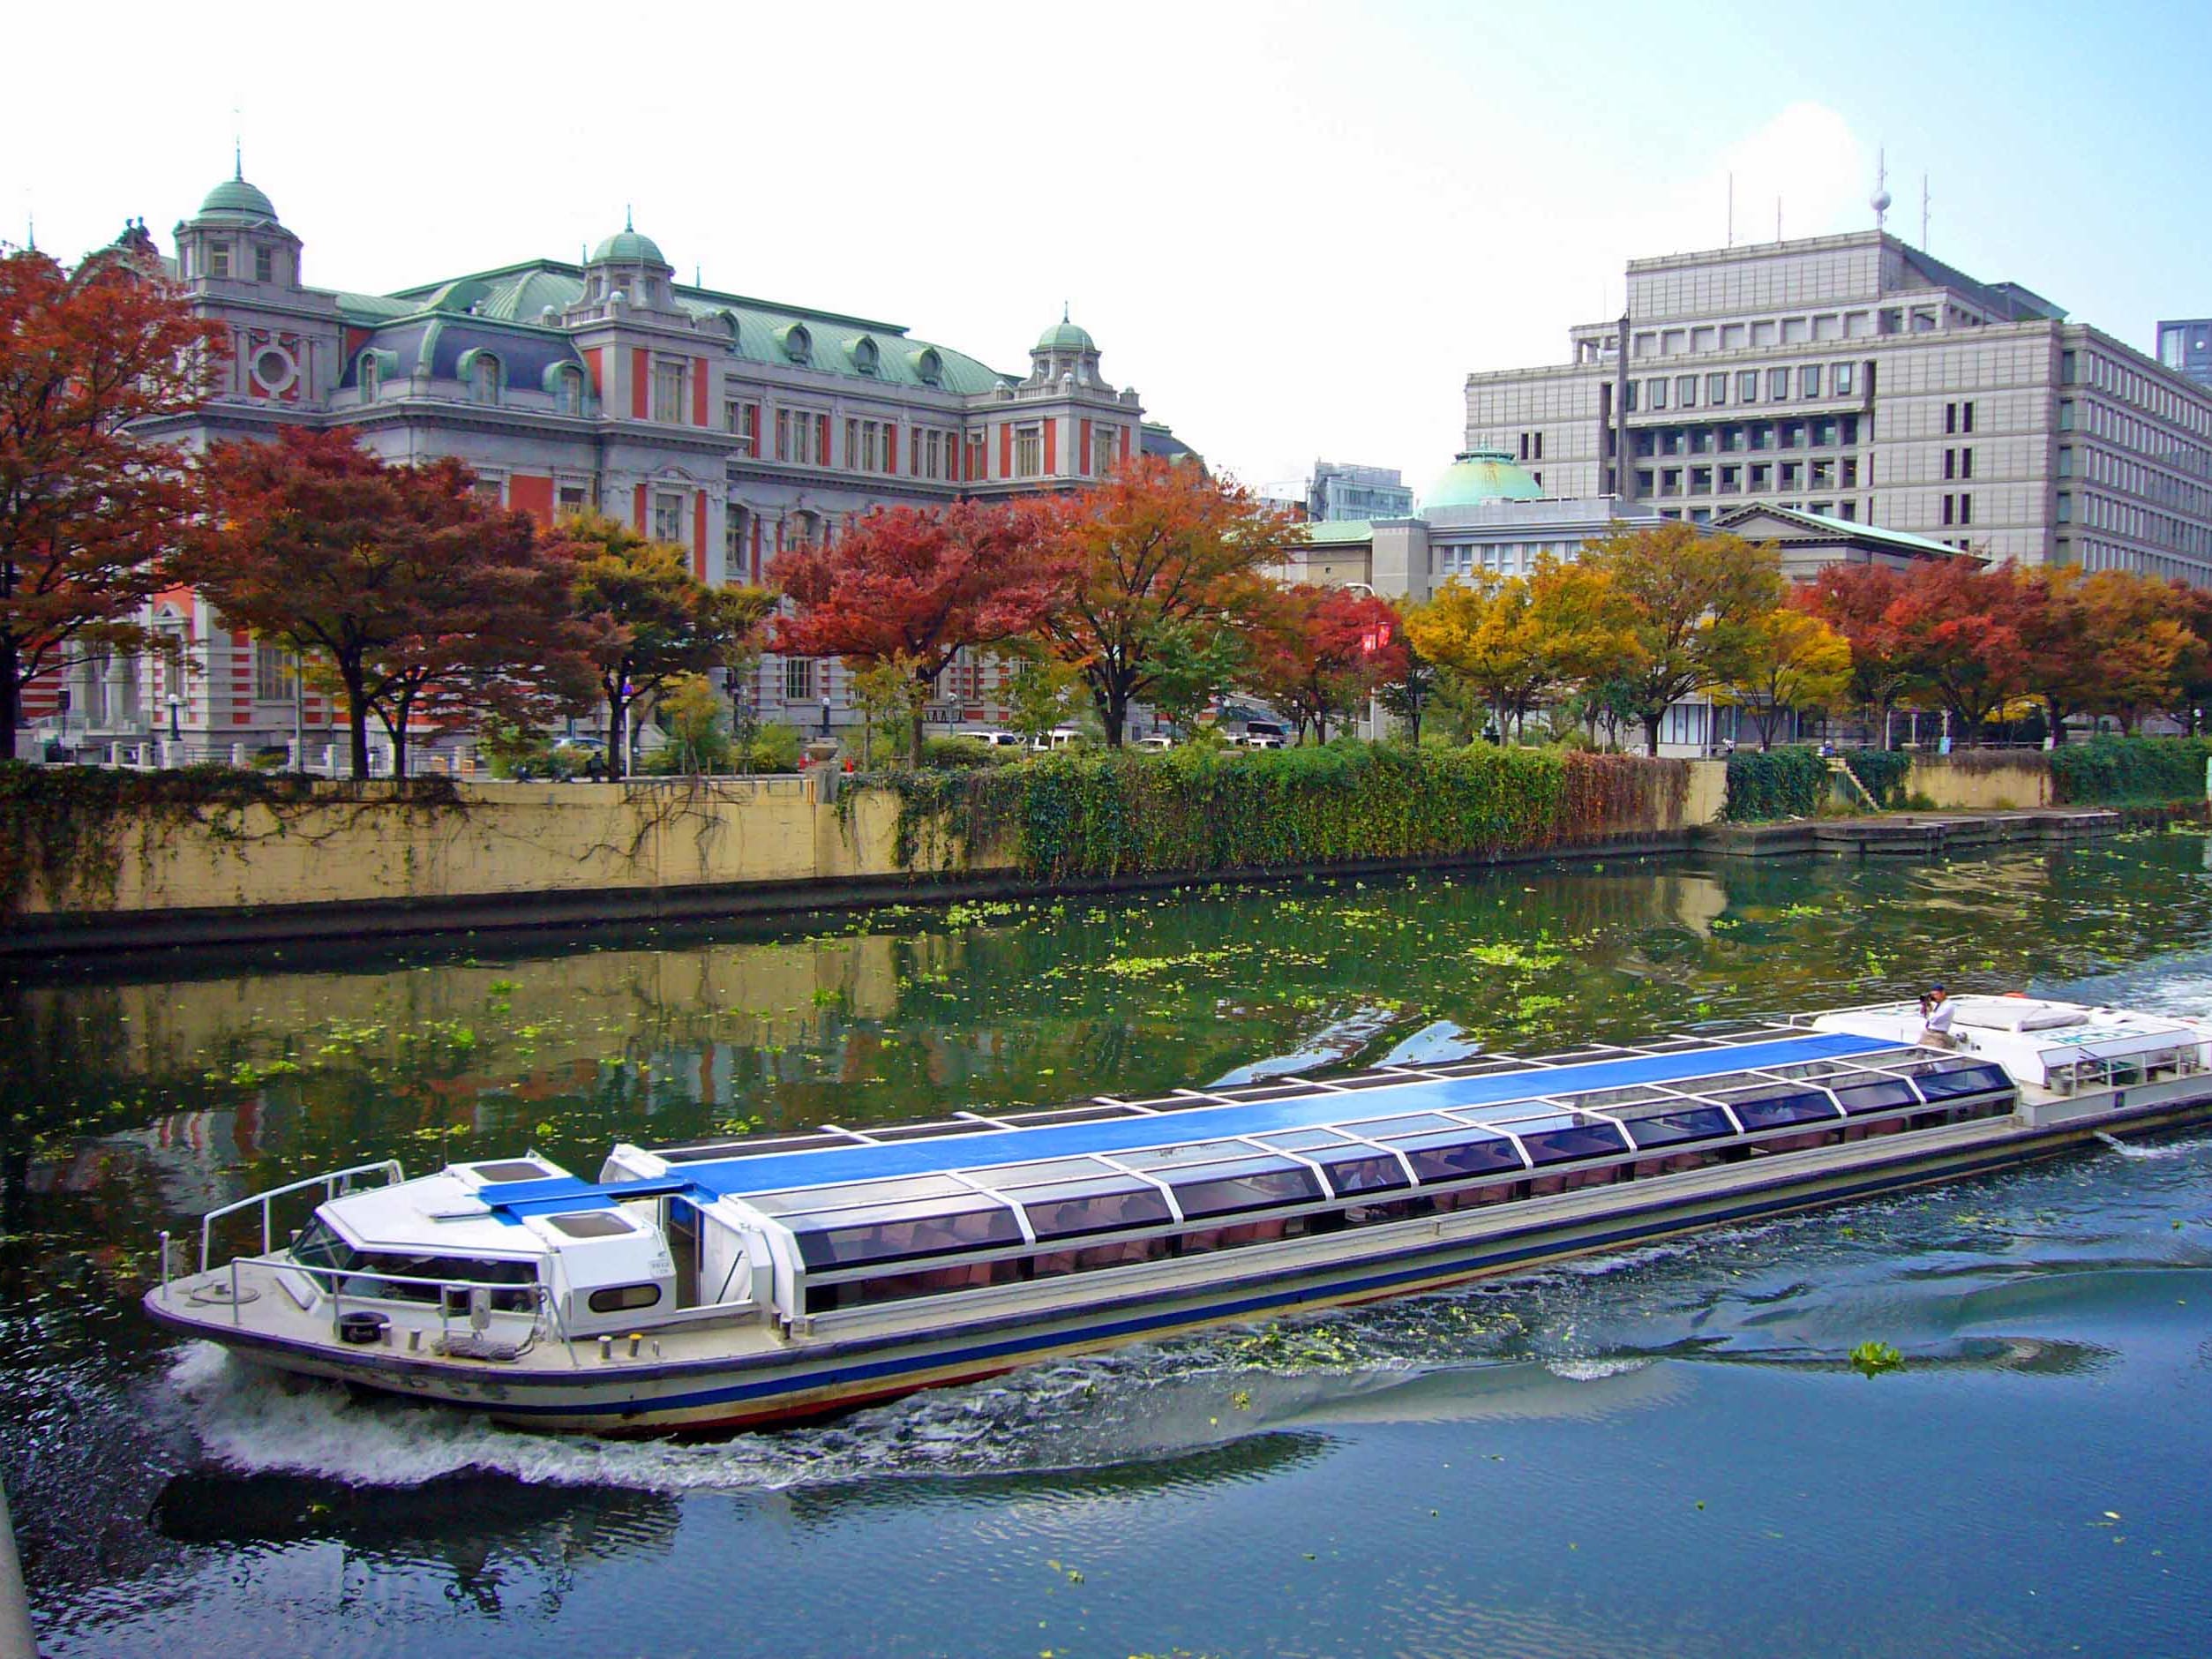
x=1731, y=210
x=1924, y=213
x=1778, y=219
x=1880, y=200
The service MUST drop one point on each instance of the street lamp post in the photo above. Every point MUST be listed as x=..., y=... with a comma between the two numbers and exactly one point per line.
x=176, y=730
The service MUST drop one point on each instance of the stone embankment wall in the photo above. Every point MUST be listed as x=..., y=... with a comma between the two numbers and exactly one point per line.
x=548, y=855
x=1975, y=783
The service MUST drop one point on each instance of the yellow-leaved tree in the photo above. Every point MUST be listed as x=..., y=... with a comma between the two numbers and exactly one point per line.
x=1521, y=640
x=1788, y=659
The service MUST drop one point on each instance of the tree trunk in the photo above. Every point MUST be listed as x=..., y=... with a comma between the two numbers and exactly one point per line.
x=357, y=720
x=11, y=700
x=914, y=738
x=2056, y=720
x=1651, y=731
x=618, y=713
x=1114, y=713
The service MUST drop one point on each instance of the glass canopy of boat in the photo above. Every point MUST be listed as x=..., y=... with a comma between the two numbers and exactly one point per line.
x=974, y=1183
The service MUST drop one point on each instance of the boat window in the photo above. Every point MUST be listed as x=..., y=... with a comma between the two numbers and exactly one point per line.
x=753, y=1146
x=1635, y=1094
x=510, y=1169
x=1255, y=1182
x=1587, y=1139
x=902, y=1233
x=624, y=1298
x=1074, y=1209
x=1373, y=1173
x=1752, y=1034
x=924, y=1132
x=1007, y=1177
x=1476, y=1068
x=1458, y=1154
x=1070, y=1114
x=1275, y=1090
x=1869, y=1092
x=1658, y=1127
x=319, y=1245
x=1412, y=1123
x=1677, y=1046
x=1777, y=1104
x=440, y=1271
x=854, y=1195
x=1380, y=1080
x=1304, y=1140
x=1946, y=1081
x=1167, y=1160
x=931, y=1281
x=593, y=1223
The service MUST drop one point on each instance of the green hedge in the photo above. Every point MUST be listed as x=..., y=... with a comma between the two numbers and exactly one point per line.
x=1193, y=810
x=1785, y=782
x=2106, y=771
x=1881, y=773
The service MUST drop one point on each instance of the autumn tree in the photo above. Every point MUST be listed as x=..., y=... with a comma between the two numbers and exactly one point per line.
x=1687, y=599
x=2144, y=630
x=1854, y=601
x=1408, y=695
x=1957, y=629
x=917, y=586
x=397, y=583
x=2191, y=688
x=1320, y=651
x=1153, y=572
x=89, y=506
x=1789, y=659
x=650, y=620
x=1522, y=641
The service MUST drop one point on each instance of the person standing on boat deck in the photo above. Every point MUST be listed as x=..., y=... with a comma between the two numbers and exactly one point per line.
x=1936, y=1011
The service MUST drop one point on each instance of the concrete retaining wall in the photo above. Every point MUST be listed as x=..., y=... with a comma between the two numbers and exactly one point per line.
x=1957, y=785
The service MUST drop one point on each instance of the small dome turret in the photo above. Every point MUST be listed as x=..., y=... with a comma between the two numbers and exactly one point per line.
x=1066, y=336
x=627, y=247
x=235, y=199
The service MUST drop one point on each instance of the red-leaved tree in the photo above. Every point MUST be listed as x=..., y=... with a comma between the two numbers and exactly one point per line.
x=1957, y=625
x=397, y=581
x=1854, y=601
x=88, y=508
x=1321, y=652
x=913, y=588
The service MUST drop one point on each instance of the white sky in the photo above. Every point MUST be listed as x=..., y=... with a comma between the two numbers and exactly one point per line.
x=1294, y=228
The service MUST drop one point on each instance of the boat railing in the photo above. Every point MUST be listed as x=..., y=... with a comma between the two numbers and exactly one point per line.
x=332, y=1184
x=341, y=1286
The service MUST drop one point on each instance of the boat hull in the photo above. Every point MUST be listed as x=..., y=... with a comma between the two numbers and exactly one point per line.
x=815, y=1376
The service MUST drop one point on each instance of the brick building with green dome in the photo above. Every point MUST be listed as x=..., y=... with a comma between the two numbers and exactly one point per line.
x=734, y=426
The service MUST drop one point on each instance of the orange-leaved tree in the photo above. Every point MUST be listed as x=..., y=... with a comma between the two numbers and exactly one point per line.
x=1957, y=624
x=912, y=588
x=89, y=506
x=1155, y=572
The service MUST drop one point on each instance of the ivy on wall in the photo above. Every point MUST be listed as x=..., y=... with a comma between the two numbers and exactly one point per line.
x=2109, y=771
x=1784, y=782
x=1070, y=816
x=1881, y=773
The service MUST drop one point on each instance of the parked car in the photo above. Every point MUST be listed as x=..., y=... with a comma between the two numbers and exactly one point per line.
x=996, y=739
x=1158, y=741
x=1260, y=735
x=1058, y=737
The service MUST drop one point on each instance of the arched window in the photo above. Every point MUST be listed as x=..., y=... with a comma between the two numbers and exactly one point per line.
x=371, y=377
x=568, y=392
x=483, y=378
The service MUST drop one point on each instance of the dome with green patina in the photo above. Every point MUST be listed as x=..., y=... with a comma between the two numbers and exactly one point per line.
x=1478, y=476
x=627, y=247
x=1066, y=336
x=235, y=199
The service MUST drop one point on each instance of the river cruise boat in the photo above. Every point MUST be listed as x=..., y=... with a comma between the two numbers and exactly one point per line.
x=751, y=1281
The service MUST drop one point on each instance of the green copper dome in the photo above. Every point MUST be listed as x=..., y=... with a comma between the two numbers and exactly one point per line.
x=627, y=247
x=233, y=198
x=1066, y=336
x=1478, y=476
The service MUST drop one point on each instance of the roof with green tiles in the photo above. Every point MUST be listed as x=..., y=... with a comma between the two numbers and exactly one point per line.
x=1333, y=531
x=834, y=343
x=1824, y=524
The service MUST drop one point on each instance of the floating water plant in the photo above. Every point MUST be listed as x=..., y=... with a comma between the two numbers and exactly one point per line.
x=1871, y=1359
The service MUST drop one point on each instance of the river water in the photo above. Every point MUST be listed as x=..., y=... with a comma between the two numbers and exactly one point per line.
x=1663, y=1451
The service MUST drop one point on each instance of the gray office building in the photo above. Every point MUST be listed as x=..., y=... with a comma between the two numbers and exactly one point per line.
x=2185, y=347
x=1856, y=378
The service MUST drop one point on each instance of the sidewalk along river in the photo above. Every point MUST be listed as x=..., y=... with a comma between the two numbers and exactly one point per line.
x=1665, y=1451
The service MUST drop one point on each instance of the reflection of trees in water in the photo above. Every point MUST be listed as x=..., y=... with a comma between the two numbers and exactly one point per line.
x=492, y=1535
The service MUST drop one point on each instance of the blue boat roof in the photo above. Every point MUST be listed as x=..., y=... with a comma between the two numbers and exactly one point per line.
x=736, y=1176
